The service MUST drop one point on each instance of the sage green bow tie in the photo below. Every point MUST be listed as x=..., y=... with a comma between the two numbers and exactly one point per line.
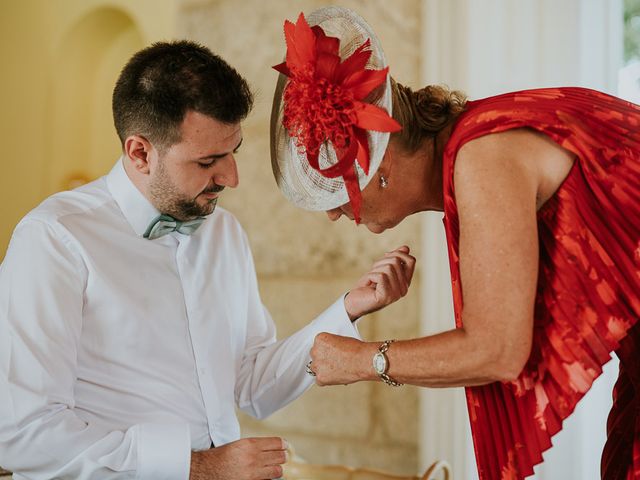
x=163, y=224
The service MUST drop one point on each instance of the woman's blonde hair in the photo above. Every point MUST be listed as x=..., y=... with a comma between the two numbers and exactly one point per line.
x=423, y=113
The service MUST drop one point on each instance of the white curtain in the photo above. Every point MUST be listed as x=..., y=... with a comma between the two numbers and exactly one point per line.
x=486, y=47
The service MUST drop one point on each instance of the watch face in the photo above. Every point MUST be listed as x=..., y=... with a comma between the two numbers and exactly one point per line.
x=379, y=363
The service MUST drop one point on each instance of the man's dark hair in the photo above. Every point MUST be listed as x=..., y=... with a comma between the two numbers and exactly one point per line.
x=161, y=83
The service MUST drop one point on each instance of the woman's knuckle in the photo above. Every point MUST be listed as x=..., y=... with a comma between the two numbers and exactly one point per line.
x=275, y=471
x=322, y=337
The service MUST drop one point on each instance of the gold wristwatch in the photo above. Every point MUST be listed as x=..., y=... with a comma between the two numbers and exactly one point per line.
x=381, y=364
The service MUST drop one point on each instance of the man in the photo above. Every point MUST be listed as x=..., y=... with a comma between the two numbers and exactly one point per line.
x=130, y=320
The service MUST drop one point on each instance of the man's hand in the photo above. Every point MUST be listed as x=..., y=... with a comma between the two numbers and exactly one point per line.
x=387, y=281
x=245, y=459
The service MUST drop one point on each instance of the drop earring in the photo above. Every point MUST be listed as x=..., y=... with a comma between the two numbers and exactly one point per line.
x=383, y=181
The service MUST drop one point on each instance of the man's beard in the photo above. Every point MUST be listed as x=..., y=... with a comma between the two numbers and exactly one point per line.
x=168, y=200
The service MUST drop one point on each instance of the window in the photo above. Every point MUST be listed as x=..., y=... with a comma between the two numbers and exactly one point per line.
x=629, y=78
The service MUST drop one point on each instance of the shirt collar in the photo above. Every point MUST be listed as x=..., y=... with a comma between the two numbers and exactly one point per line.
x=138, y=211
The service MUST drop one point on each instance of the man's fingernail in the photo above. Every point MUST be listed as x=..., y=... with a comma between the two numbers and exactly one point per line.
x=285, y=444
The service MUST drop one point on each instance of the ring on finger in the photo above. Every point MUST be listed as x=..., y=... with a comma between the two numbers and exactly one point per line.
x=309, y=371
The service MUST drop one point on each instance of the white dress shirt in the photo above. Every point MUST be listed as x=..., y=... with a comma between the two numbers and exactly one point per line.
x=119, y=355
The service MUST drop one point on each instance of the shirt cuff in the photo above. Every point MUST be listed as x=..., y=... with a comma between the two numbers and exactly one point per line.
x=335, y=319
x=164, y=451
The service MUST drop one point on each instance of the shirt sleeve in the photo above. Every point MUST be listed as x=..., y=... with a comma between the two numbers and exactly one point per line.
x=273, y=373
x=42, y=282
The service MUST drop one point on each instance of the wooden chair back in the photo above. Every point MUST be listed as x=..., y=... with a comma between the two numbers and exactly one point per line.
x=296, y=470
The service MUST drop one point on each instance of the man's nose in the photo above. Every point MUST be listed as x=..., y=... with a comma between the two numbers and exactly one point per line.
x=227, y=176
x=334, y=214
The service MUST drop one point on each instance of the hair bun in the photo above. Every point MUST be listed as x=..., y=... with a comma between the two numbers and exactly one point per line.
x=424, y=113
x=436, y=105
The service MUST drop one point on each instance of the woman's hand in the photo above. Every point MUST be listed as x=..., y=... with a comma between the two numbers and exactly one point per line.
x=338, y=360
x=387, y=281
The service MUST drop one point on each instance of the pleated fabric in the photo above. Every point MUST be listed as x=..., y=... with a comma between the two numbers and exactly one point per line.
x=588, y=292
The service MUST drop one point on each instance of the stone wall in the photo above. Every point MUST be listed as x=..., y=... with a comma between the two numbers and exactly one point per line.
x=305, y=262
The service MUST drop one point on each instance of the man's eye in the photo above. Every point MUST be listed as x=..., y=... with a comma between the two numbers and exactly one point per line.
x=206, y=165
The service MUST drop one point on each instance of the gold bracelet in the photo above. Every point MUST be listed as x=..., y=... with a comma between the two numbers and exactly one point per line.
x=381, y=364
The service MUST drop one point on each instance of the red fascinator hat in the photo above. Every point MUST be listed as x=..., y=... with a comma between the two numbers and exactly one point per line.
x=330, y=122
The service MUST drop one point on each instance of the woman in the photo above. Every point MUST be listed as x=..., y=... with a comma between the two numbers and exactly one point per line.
x=541, y=195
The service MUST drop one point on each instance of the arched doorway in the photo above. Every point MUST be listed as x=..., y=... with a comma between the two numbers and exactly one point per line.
x=83, y=143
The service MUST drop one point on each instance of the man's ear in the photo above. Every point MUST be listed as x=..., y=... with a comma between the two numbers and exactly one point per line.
x=137, y=149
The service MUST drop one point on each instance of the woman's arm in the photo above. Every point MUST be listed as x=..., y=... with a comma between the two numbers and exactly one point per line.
x=496, y=184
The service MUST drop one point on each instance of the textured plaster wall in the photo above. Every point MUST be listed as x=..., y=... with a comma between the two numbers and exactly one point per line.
x=61, y=60
x=304, y=261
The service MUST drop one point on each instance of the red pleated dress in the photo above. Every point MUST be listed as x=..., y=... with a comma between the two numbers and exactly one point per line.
x=588, y=294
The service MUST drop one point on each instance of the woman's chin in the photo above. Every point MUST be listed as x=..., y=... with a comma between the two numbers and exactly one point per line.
x=375, y=228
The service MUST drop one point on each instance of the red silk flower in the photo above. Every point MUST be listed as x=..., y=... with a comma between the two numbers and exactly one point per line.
x=323, y=101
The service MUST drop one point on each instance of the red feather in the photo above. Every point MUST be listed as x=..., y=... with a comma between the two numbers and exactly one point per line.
x=300, y=43
x=326, y=65
x=282, y=68
x=371, y=117
x=325, y=44
x=363, y=82
x=305, y=41
x=289, y=37
x=357, y=61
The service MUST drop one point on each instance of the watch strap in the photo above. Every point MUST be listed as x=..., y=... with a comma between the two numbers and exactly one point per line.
x=382, y=349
